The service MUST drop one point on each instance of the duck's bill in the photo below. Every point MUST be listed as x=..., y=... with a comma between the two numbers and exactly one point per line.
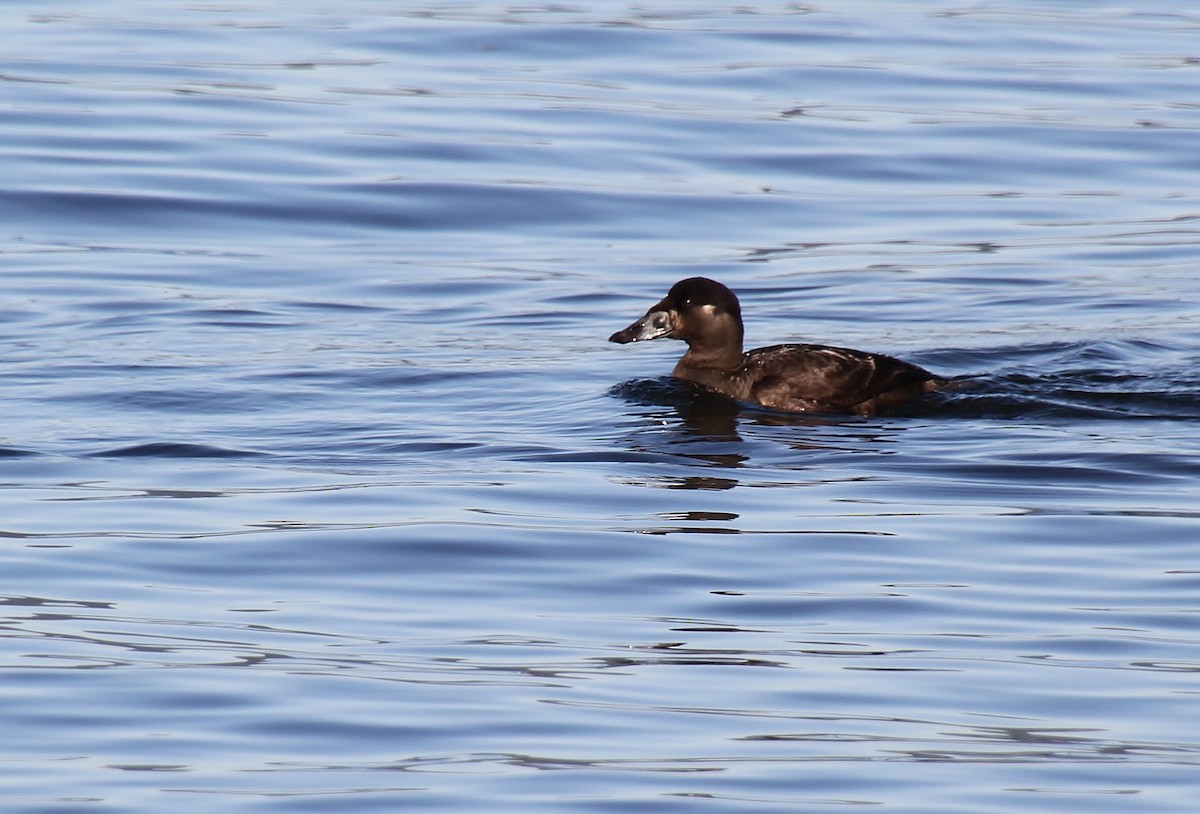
x=652, y=326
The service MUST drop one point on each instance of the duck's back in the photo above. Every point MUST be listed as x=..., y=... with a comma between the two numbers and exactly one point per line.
x=819, y=378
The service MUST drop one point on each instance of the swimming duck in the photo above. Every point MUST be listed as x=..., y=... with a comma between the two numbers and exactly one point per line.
x=793, y=378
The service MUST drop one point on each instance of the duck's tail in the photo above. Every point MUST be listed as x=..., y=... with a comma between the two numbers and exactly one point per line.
x=952, y=383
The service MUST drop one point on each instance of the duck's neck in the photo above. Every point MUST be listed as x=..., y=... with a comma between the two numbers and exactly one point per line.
x=719, y=350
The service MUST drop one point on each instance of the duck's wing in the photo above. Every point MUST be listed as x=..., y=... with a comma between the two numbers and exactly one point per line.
x=819, y=378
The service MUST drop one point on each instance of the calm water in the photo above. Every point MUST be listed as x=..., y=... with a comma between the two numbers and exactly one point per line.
x=322, y=491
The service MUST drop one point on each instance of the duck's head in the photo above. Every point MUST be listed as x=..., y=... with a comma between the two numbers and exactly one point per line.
x=699, y=311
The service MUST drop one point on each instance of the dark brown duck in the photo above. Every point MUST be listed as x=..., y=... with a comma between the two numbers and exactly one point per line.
x=795, y=378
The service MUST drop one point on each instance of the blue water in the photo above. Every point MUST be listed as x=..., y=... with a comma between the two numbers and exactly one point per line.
x=321, y=490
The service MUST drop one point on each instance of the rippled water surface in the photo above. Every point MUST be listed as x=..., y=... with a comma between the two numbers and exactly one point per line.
x=321, y=490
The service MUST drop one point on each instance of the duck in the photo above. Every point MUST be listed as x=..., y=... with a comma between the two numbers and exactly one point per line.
x=792, y=378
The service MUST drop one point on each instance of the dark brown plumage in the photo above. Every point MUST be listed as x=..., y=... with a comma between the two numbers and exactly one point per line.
x=794, y=378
